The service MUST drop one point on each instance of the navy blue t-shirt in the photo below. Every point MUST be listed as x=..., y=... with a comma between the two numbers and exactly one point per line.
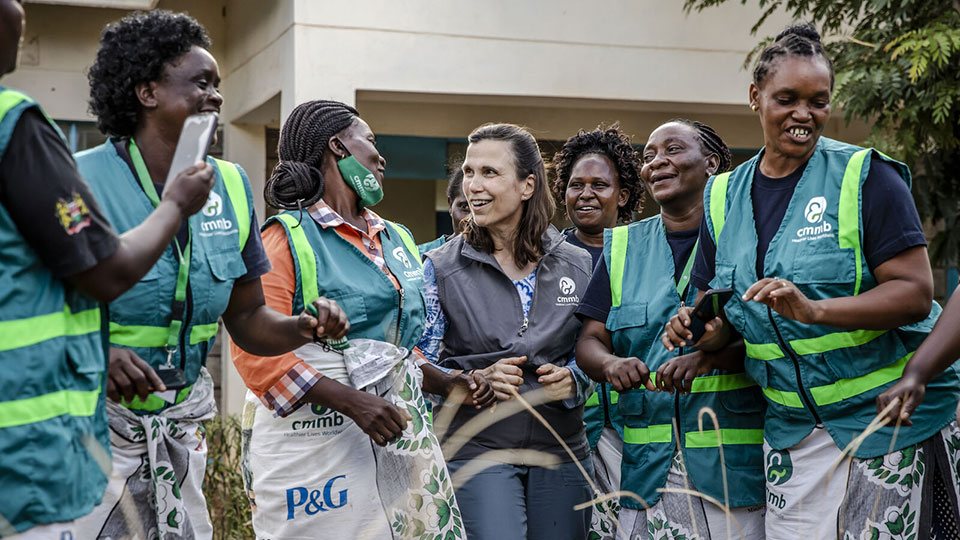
x=891, y=224
x=597, y=300
x=596, y=252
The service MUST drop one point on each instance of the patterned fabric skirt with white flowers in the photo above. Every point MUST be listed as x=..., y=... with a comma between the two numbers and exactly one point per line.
x=679, y=516
x=910, y=494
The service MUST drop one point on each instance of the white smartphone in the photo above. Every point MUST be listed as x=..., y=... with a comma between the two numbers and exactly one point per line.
x=195, y=138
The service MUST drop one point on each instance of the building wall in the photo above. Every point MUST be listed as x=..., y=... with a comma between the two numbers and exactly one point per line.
x=422, y=68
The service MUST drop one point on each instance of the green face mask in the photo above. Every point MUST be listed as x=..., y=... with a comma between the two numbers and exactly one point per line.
x=361, y=180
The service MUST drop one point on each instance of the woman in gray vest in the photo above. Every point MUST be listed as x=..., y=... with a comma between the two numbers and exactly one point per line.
x=500, y=300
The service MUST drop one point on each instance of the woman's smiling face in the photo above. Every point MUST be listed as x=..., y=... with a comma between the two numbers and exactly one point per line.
x=794, y=105
x=492, y=186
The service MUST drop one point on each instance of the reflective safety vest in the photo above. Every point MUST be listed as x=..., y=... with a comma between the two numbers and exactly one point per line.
x=809, y=373
x=600, y=409
x=433, y=244
x=328, y=265
x=644, y=296
x=53, y=426
x=140, y=319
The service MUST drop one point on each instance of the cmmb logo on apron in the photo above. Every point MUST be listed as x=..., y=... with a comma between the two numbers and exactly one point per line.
x=779, y=467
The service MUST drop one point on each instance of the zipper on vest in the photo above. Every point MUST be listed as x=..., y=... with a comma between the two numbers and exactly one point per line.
x=796, y=367
x=606, y=406
x=676, y=410
x=523, y=327
x=400, y=296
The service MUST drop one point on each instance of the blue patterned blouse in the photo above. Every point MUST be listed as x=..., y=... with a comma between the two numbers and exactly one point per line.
x=436, y=327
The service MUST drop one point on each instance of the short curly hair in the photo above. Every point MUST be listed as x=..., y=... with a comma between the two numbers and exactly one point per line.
x=614, y=144
x=133, y=50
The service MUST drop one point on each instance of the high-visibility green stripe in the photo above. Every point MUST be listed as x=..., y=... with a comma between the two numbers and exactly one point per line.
x=10, y=99
x=716, y=383
x=783, y=397
x=154, y=403
x=834, y=341
x=848, y=388
x=156, y=336
x=848, y=218
x=718, y=204
x=238, y=197
x=815, y=345
x=618, y=258
x=661, y=433
x=408, y=243
x=305, y=259
x=763, y=351
x=32, y=330
x=593, y=400
x=138, y=336
x=19, y=412
x=721, y=383
x=203, y=332
x=709, y=439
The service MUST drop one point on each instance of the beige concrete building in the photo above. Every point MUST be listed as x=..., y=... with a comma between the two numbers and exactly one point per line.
x=425, y=73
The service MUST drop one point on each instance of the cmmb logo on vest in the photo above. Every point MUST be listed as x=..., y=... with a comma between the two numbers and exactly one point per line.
x=567, y=289
x=817, y=227
x=219, y=226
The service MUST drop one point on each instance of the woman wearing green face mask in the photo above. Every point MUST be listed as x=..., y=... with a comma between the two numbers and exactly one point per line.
x=328, y=243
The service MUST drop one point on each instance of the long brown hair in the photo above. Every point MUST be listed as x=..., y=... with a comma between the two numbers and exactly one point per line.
x=537, y=210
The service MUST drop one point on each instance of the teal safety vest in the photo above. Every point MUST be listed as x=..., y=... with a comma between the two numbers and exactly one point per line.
x=640, y=306
x=141, y=318
x=599, y=409
x=433, y=244
x=53, y=424
x=328, y=265
x=810, y=373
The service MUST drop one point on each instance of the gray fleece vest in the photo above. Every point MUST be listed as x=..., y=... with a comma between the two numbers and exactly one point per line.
x=486, y=323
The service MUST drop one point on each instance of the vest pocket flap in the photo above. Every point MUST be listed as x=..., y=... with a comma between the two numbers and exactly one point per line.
x=227, y=265
x=351, y=303
x=626, y=316
x=824, y=267
x=742, y=401
x=630, y=402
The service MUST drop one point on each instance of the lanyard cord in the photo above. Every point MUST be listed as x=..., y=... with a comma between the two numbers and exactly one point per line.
x=178, y=308
x=684, y=281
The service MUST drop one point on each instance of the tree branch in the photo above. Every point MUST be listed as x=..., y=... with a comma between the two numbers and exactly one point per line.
x=864, y=43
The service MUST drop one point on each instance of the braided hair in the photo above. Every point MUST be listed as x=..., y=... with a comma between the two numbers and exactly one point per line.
x=710, y=143
x=614, y=144
x=796, y=40
x=296, y=181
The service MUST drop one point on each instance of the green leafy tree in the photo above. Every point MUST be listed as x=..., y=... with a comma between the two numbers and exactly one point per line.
x=897, y=67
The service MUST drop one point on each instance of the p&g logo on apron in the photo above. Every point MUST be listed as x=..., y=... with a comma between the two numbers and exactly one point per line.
x=311, y=501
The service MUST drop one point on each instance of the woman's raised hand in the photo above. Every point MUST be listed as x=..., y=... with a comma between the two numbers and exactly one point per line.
x=785, y=298
x=627, y=373
x=504, y=375
x=189, y=189
x=677, y=332
x=557, y=381
x=330, y=320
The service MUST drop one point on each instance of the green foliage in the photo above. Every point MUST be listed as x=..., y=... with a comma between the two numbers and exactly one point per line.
x=898, y=67
x=223, y=484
